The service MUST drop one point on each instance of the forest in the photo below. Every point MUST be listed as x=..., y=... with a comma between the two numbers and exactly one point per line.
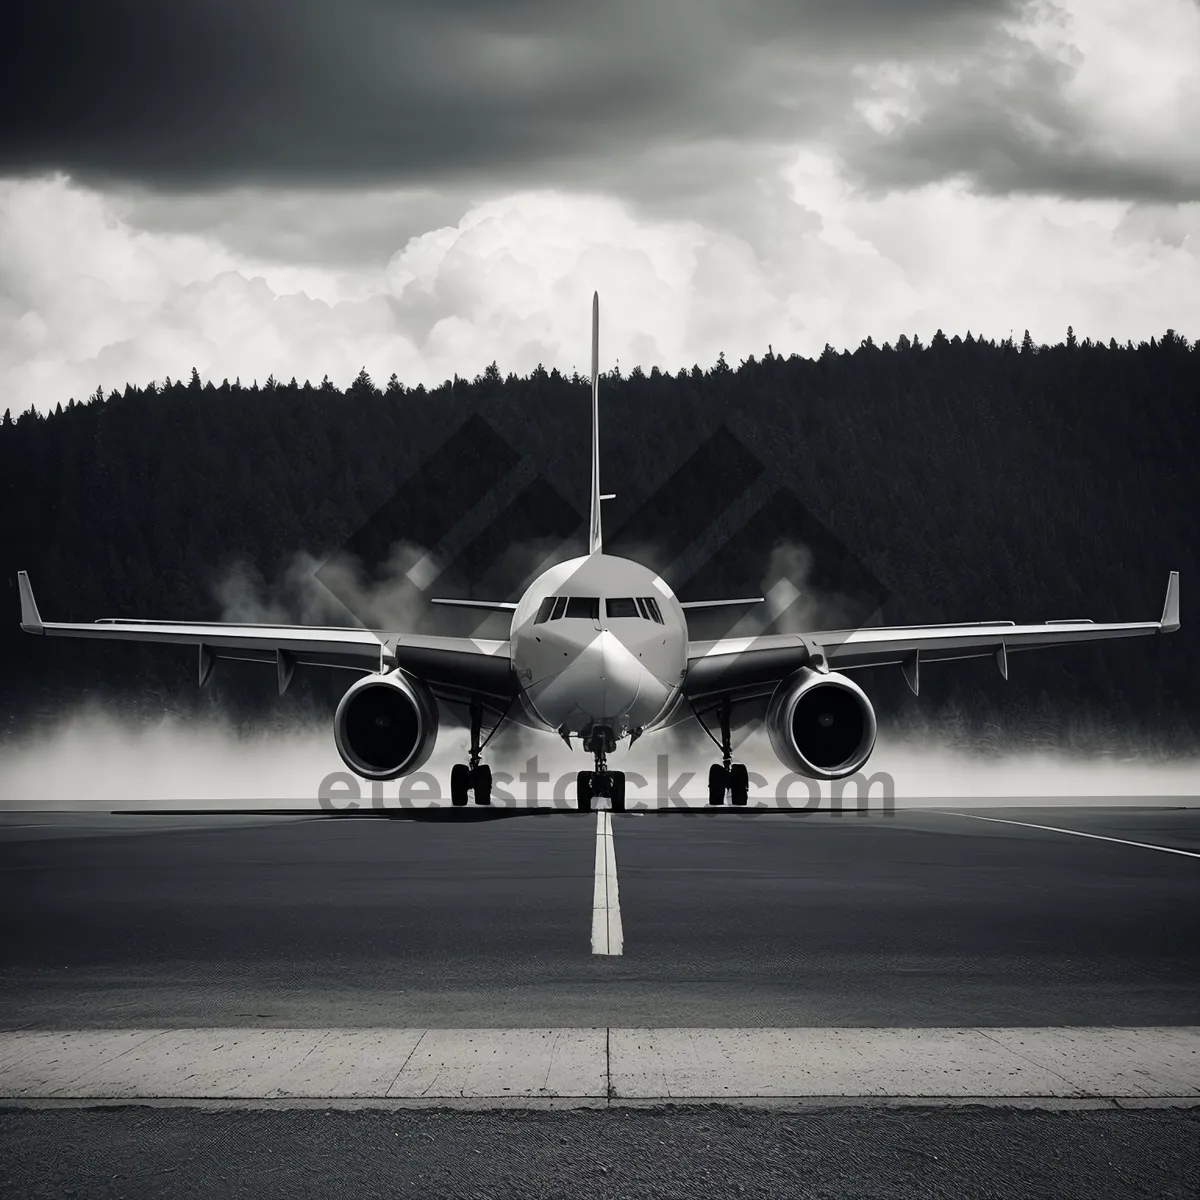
x=964, y=479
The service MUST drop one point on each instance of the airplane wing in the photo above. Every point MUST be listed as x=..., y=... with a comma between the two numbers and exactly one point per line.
x=745, y=667
x=454, y=667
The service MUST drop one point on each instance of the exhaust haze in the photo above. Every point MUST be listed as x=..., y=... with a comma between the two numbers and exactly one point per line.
x=93, y=761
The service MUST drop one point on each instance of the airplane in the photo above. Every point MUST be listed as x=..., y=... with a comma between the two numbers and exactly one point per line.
x=598, y=650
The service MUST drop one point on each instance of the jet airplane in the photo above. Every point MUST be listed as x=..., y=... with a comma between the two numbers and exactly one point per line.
x=598, y=650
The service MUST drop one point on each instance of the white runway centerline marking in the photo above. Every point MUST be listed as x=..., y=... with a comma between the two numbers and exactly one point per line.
x=1100, y=837
x=607, y=935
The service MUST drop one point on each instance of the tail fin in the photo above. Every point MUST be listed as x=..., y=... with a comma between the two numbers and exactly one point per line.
x=594, y=538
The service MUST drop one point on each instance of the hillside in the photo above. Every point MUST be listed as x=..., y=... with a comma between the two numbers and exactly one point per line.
x=958, y=481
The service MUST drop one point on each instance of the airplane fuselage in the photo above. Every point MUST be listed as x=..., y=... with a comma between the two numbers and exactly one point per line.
x=598, y=640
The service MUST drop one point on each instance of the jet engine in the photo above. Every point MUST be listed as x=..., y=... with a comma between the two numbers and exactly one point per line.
x=385, y=725
x=822, y=726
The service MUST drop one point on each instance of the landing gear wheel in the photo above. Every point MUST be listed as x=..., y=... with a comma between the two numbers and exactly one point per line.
x=617, y=790
x=583, y=791
x=460, y=784
x=739, y=784
x=718, y=781
x=481, y=783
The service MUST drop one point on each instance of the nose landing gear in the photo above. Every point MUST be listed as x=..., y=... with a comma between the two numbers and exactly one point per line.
x=473, y=775
x=600, y=781
x=727, y=776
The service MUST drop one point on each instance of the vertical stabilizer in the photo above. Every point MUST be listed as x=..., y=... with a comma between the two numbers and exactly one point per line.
x=594, y=539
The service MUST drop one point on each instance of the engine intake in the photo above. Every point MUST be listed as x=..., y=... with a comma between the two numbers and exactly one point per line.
x=822, y=726
x=385, y=725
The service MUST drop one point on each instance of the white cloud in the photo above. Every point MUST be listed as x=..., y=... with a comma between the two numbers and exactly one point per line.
x=87, y=297
x=1134, y=81
x=1084, y=98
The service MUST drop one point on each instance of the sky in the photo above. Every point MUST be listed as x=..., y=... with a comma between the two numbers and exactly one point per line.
x=255, y=187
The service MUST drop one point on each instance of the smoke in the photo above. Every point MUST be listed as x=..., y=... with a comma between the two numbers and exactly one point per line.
x=792, y=602
x=91, y=761
x=335, y=591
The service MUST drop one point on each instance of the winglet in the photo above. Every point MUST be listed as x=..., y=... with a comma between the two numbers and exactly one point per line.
x=1170, y=613
x=31, y=621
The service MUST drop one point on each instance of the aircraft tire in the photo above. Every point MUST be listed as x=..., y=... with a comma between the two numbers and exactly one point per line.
x=617, y=792
x=739, y=784
x=717, y=783
x=460, y=784
x=583, y=791
x=481, y=784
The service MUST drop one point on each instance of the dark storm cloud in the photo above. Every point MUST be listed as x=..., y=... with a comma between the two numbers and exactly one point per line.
x=217, y=93
x=998, y=156
x=1004, y=124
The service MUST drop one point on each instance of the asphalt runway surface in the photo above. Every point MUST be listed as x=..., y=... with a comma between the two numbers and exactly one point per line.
x=453, y=921
x=729, y=919
x=666, y=1154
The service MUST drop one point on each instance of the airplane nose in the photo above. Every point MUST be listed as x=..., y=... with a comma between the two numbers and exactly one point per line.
x=622, y=675
x=601, y=681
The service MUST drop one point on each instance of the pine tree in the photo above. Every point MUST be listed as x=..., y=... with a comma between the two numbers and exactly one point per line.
x=194, y=382
x=363, y=385
x=1072, y=341
x=1027, y=346
x=394, y=386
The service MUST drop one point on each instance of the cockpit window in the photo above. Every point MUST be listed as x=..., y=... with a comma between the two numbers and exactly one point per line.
x=543, y=612
x=651, y=607
x=621, y=606
x=584, y=606
x=560, y=603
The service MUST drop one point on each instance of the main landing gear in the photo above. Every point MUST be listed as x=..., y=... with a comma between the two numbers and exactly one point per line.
x=601, y=781
x=473, y=776
x=727, y=776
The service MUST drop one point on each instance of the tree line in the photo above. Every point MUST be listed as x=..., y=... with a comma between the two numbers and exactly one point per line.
x=897, y=483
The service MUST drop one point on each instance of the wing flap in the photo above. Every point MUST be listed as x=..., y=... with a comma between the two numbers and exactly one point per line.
x=259, y=643
x=456, y=663
x=749, y=666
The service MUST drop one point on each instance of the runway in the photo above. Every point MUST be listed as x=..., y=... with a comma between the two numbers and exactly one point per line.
x=452, y=1004
x=726, y=919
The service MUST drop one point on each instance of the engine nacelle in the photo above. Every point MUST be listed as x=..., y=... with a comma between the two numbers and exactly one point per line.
x=385, y=725
x=822, y=726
